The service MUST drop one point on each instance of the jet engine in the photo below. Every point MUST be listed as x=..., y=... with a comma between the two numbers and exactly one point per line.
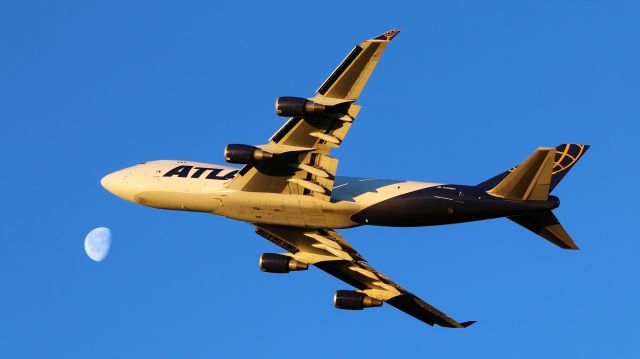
x=277, y=263
x=296, y=106
x=244, y=154
x=352, y=300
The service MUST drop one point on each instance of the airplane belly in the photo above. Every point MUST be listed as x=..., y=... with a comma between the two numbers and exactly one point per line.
x=443, y=204
x=287, y=210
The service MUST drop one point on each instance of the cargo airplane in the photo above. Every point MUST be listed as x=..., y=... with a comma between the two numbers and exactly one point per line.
x=289, y=190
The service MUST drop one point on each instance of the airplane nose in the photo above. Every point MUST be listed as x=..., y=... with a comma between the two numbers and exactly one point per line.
x=117, y=184
x=108, y=182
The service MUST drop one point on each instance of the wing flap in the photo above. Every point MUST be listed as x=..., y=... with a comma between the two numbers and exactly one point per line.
x=423, y=311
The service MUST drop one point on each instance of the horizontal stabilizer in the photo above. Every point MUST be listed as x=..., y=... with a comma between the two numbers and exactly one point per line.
x=529, y=181
x=546, y=225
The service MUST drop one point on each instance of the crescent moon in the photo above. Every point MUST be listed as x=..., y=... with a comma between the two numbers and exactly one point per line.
x=97, y=243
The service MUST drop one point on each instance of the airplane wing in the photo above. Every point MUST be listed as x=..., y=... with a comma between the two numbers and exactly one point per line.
x=302, y=145
x=327, y=250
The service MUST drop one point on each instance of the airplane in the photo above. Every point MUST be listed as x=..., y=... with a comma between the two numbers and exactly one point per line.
x=289, y=190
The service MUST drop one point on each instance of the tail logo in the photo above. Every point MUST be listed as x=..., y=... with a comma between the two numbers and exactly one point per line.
x=567, y=156
x=388, y=35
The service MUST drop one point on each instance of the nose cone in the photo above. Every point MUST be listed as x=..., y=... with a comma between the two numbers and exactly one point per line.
x=107, y=182
x=117, y=184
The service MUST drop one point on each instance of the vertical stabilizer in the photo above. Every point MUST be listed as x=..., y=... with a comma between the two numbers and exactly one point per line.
x=529, y=181
x=567, y=155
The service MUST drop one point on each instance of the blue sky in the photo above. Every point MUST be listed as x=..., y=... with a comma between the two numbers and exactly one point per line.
x=467, y=90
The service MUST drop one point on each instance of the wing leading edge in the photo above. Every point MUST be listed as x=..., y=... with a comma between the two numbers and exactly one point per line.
x=327, y=250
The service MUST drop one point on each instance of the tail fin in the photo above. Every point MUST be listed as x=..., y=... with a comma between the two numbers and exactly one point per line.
x=566, y=155
x=546, y=225
x=530, y=180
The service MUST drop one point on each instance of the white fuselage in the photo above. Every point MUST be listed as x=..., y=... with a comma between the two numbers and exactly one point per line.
x=202, y=189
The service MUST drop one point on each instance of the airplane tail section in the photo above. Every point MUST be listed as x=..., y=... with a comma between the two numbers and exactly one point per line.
x=533, y=180
x=546, y=225
x=566, y=156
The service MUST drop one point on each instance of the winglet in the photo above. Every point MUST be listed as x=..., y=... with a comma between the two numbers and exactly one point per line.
x=387, y=36
x=466, y=324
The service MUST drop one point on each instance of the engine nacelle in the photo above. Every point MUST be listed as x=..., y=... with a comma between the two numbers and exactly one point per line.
x=277, y=263
x=352, y=300
x=244, y=154
x=296, y=106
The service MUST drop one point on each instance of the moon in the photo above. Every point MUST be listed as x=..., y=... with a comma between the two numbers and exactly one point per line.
x=97, y=243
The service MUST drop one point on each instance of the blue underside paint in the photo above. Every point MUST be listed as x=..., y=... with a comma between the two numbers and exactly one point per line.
x=347, y=188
